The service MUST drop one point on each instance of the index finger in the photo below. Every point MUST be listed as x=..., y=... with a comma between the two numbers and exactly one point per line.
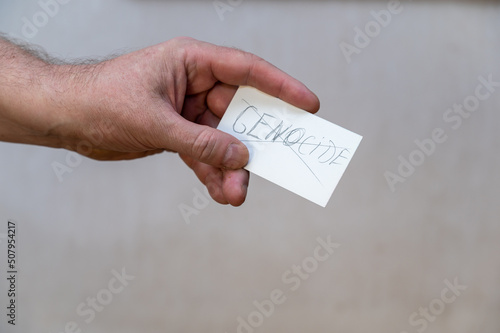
x=236, y=67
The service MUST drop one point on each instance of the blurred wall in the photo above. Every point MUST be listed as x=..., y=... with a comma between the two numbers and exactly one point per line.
x=420, y=256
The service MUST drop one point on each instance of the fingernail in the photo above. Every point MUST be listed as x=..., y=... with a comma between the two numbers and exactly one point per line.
x=236, y=156
x=244, y=189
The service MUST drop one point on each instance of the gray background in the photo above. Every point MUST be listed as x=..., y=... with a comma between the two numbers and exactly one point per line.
x=397, y=248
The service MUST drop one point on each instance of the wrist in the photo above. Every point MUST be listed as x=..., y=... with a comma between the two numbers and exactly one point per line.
x=67, y=103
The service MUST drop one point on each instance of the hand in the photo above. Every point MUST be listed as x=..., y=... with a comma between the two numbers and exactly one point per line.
x=171, y=97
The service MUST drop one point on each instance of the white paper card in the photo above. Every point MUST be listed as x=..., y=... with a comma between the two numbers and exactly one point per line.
x=289, y=146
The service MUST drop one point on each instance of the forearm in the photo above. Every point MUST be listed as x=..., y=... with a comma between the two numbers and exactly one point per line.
x=23, y=80
x=35, y=96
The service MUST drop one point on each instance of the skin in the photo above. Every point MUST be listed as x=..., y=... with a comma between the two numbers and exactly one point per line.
x=170, y=96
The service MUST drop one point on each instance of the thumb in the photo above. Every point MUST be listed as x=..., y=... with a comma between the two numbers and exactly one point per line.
x=208, y=145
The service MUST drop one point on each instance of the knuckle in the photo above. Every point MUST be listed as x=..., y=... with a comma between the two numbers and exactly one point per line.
x=204, y=146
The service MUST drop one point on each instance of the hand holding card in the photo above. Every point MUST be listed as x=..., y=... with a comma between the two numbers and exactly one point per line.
x=289, y=146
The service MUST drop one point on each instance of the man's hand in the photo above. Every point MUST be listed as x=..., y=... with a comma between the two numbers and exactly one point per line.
x=169, y=96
